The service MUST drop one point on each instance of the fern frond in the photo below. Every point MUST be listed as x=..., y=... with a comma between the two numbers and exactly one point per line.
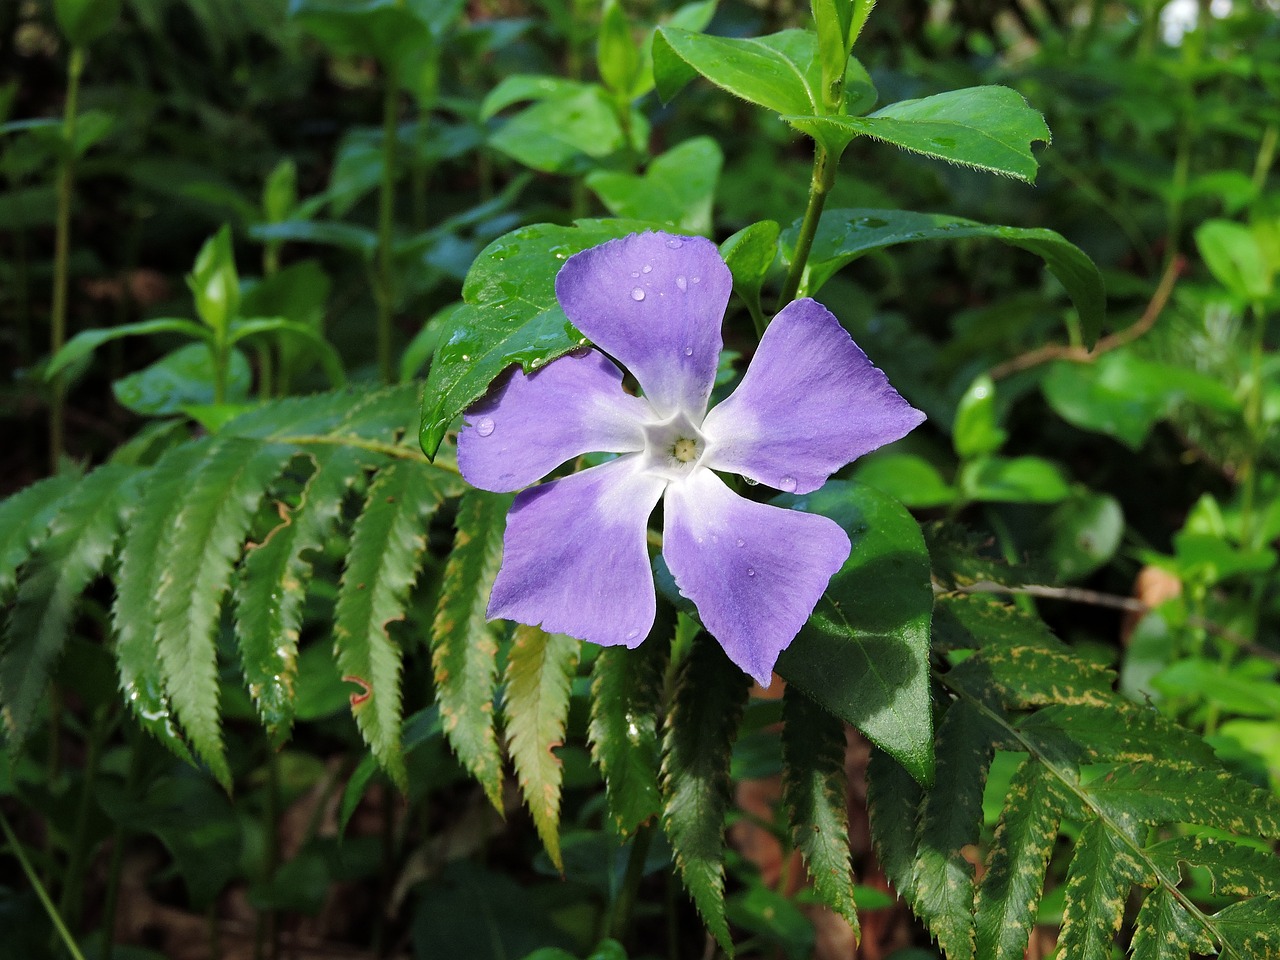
x=464, y=645
x=540, y=669
x=274, y=578
x=24, y=517
x=387, y=545
x=1164, y=930
x=79, y=540
x=1103, y=869
x=709, y=700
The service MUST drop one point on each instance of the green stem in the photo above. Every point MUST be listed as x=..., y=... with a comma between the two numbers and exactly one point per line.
x=620, y=922
x=265, y=944
x=1254, y=431
x=41, y=893
x=384, y=288
x=69, y=903
x=115, y=868
x=62, y=254
x=824, y=177
x=1266, y=156
x=219, y=371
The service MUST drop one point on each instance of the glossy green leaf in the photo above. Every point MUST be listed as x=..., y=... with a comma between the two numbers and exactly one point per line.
x=976, y=431
x=749, y=254
x=464, y=644
x=84, y=21
x=909, y=479
x=710, y=695
x=84, y=343
x=388, y=541
x=215, y=284
x=1010, y=890
x=676, y=189
x=24, y=518
x=1249, y=929
x=844, y=235
x=274, y=579
x=71, y=553
x=192, y=574
x=864, y=653
x=626, y=693
x=540, y=668
x=987, y=128
x=569, y=129
x=511, y=316
x=180, y=379
x=813, y=789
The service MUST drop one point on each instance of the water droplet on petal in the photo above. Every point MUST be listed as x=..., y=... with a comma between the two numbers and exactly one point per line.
x=697, y=280
x=484, y=426
x=674, y=242
x=682, y=284
x=635, y=274
x=787, y=484
x=637, y=294
x=750, y=572
x=632, y=634
x=647, y=268
x=688, y=351
x=741, y=542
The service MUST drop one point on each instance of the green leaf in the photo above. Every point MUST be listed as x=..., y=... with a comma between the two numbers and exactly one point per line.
x=909, y=479
x=540, y=668
x=388, y=541
x=71, y=553
x=1084, y=534
x=844, y=235
x=182, y=379
x=976, y=432
x=1163, y=793
x=1102, y=871
x=84, y=343
x=570, y=130
x=1236, y=870
x=1005, y=907
x=626, y=693
x=84, y=21
x=193, y=569
x=280, y=192
x=941, y=892
x=1164, y=930
x=1250, y=929
x=215, y=284
x=397, y=34
x=511, y=316
x=864, y=653
x=676, y=189
x=1030, y=676
x=749, y=254
x=1115, y=730
x=273, y=582
x=1013, y=480
x=329, y=233
x=464, y=645
x=813, y=789
x=1236, y=260
x=142, y=678
x=300, y=332
x=893, y=804
x=710, y=695
x=24, y=518
x=617, y=54
x=987, y=128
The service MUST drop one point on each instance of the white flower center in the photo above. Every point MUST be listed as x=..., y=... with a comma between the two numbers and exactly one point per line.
x=673, y=447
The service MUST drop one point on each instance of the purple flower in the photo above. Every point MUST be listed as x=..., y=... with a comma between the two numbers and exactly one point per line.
x=575, y=557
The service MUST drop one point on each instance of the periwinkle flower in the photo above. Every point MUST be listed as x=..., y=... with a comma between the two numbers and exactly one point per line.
x=575, y=555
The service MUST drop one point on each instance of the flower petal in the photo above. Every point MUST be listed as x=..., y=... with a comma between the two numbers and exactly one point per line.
x=654, y=302
x=535, y=422
x=575, y=558
x=755, y=572
x=809, y=403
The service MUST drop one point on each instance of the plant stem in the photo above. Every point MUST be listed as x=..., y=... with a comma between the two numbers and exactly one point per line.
x=116, y=865
x=1254, y=431
x=384, y=287
x=69, y=903
x=824, y=176
x=62, y=253
x=620, y=923
x=41, y=893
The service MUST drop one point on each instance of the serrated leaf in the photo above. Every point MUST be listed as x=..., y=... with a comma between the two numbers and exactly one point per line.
x=1236, y=870
x=699, y=731
x=1029, y=676
x=464, y=645
x=1007, y=897
x=388, y=541
x=1159, y=793
x=79, y=541
x=813, y=789
x=626, y=691
x=844, y=235
x=864, y=653
x=1101, y=873
x=510, y=316
x=988, y=128
x=142, y=677
x=1164, y=930
x=941, y=892
x=676, y=188
x=24, y=517
x=1115, y=731
x=540, y=667
x=193, y=572
x=1250, y=930
x=893, y=801
x=273, y=584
